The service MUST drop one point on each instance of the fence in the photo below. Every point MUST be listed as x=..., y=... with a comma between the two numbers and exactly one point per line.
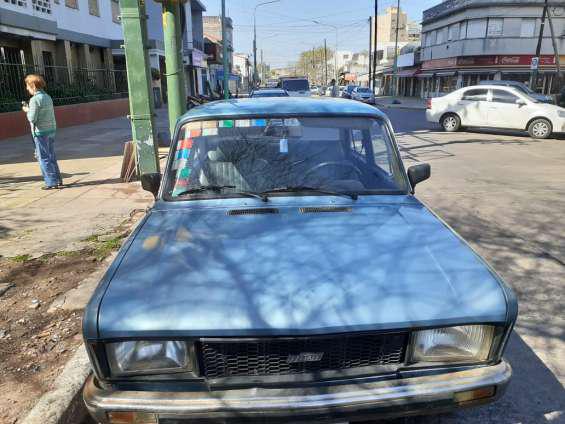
x=64, y=85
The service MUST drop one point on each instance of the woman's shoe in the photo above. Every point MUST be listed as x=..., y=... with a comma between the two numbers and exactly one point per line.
x=49, y=187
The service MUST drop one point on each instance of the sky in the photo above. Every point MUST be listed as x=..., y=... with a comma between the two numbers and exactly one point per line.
x=285, y=28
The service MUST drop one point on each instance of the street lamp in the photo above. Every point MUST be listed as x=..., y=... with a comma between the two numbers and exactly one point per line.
x=336, y=39
x=255, y=39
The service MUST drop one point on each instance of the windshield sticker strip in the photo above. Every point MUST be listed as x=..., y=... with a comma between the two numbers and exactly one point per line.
x=243, y=123
x=186, y=144
x=259, y=123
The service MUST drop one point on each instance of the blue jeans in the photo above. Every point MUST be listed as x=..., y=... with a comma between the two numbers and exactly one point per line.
x=45, y=151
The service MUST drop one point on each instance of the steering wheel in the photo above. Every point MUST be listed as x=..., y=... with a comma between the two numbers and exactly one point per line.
x=342, y=164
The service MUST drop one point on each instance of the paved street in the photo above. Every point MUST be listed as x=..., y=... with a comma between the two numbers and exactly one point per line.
x=504, y=194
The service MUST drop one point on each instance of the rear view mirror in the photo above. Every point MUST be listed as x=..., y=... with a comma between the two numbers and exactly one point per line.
x=419, y=173
x=521, y=102
x=151, y=183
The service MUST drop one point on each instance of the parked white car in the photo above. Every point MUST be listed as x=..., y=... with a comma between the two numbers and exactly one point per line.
x=493, y=106
x=363, y=94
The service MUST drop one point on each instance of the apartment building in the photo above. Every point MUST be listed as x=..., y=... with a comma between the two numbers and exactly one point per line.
x=464, y=42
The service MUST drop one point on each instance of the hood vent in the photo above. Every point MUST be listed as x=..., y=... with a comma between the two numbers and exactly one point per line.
x=321, y=209
x=256, y=211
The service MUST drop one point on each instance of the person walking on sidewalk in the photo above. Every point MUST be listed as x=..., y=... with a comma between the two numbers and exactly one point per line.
x=335, y=88
x=41, y=116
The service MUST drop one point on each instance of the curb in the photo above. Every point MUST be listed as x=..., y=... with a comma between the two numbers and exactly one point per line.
x=63, y=403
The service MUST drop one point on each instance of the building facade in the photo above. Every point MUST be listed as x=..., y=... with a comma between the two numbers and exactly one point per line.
x=242, y=67
x=213, y=29
x=386, y=27
x=466, y=41
x=78, y=45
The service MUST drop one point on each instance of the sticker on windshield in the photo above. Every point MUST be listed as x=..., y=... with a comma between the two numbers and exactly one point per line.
x=283, y=145
x=228, y=123
x=259, y=122
x=209, y=131
x=292, y=122
x=243, y=123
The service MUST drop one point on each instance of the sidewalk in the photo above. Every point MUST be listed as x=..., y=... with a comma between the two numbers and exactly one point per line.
x=393, y=102
x=34, y=221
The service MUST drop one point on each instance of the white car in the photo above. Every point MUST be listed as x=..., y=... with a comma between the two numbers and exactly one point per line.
x=363, y=94
x=493, y=106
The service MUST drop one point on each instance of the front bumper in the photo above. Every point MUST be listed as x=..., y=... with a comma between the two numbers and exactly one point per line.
x=383, y=399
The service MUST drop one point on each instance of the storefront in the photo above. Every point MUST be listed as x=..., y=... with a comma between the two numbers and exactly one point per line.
x=441, y=76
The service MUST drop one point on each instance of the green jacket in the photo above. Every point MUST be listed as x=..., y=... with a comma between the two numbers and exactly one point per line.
x=41, y=114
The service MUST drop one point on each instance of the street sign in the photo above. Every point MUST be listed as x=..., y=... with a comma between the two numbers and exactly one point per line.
x=535, y=63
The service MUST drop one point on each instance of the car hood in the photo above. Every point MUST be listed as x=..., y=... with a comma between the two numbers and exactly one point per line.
x=199, y=271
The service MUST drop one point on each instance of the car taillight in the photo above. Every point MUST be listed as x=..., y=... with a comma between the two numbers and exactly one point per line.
x=428, y=103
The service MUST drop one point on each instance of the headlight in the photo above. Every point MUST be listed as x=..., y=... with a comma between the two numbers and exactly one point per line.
x=466, y=343
x=147, y=357
x=561, y=113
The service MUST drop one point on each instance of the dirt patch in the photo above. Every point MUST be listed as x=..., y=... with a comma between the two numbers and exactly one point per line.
x=35, y=344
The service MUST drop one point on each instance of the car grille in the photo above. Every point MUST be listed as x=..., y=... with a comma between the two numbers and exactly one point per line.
x=301, y=355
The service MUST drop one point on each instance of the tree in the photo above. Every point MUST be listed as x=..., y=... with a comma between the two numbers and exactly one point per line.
x=311, y=64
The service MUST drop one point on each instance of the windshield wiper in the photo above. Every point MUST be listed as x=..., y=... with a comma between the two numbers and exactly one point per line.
x=219, y=188
x=290, y=189
x=200, y=189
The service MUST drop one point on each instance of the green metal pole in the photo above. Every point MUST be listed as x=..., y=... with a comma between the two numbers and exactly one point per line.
x=176, y=90
x=225, y=52
x=134, y=24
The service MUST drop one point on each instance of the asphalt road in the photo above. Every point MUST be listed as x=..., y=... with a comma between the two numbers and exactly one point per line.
x=504, y=193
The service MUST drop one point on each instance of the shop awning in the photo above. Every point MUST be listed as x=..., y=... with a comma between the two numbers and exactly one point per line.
x=407, y=73
x=425, y=75
x=445, y=74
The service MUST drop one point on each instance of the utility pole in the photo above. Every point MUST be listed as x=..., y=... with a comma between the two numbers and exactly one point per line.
x=534, y=74
x=225, y=52
x=395, y=66
x=375, y=51
x=134, y=23
x=262, y=70
x=255, y=38
x=326, y=61
x=176, y=89
x=370, y=51
x=555, y=50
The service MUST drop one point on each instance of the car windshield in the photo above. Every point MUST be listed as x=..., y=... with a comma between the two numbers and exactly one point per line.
x=363, y=90
x=350, y=88
x=246, y=157
x=296, y=85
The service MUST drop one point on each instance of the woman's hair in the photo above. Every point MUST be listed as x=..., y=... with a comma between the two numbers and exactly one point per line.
x=35, y=81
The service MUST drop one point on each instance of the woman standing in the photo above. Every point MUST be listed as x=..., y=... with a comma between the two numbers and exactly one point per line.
x=41, y=116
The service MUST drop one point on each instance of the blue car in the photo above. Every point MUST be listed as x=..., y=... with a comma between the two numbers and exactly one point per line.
x=287, y=273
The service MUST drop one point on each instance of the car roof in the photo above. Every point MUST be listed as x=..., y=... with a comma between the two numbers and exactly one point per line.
x=493, y=86
x=280, y=106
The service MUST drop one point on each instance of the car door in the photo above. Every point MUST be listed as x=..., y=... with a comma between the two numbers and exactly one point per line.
x=472, y=107
x=504, y=112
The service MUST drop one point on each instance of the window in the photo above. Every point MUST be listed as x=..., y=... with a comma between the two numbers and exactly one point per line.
x=432, y=37
x=476, y=95
x=463, y=30
x=93, y=7
x=42, y=6
x=528, y=28
x=495, y=27
x=115, y=11
x=453, y=32
x=440, y=36
x=476, y=28
x=503, y=96
x=73, y=4
x=21, y=3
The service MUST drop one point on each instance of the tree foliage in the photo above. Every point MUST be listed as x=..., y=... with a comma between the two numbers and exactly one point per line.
x=312, y=64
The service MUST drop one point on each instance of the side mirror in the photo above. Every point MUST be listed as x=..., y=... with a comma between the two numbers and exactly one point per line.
x=419, y=173
x=151, y=182
x=521, y=102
